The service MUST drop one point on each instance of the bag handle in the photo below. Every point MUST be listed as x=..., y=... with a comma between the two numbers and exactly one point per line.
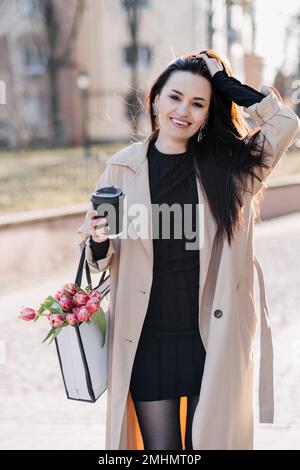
x=78, y=279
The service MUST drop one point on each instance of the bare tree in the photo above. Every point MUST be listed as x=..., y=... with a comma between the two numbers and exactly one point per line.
x=282, y=82
x=132, y=8
x=58, y=55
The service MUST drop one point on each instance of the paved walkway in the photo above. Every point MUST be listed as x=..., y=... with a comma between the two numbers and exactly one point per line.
x=278, y=249
x=34, y=413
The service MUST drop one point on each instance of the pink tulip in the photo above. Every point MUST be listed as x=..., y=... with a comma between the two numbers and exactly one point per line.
x=66, y=303
x=95, y=295
x=72, y=319
x=56, y=320
x=58, y=295
x=83, y=314
x=75, y=309
x=70, y=288
x=27, y=313
x=80, y=298
x=92, y=305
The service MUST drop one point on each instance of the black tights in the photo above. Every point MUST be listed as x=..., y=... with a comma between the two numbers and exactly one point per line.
x=159, y=422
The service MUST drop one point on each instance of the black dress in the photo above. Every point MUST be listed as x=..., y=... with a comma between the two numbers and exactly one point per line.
x=170, y=356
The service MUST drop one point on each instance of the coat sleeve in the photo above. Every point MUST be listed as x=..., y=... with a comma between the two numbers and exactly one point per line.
x=279, y=126
x=234, y=90
x=85, y=231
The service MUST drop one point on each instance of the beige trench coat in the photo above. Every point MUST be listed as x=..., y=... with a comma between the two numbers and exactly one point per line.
x=223, y=418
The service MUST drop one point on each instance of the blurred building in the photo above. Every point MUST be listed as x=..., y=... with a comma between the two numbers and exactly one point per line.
x=27, y=117
x=115, y=54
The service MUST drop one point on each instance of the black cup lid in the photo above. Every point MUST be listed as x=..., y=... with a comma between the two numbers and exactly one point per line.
x=109, y=191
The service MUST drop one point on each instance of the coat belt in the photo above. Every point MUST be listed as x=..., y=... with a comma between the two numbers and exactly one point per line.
x=266, y=377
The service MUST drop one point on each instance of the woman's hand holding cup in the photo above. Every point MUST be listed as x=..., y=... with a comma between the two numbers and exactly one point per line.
x=99, y=235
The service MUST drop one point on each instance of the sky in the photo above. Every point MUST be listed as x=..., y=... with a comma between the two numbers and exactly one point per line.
x=272, y=18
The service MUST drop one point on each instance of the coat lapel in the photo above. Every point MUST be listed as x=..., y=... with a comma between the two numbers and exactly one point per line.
x=139, y=193
x=138, y=190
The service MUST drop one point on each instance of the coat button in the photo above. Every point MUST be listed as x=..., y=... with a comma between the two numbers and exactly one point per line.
x=218, y=313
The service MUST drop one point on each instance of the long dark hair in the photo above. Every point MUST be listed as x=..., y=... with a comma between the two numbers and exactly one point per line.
x=224, y=156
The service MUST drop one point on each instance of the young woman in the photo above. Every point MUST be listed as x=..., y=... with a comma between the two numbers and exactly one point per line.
x=182, y=321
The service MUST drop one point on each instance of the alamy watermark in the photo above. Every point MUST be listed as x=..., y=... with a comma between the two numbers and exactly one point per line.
x=2, y=352
x=2, y=92
x=296, y=94
x=174, y=221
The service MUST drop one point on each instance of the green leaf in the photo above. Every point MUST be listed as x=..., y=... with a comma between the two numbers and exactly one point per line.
x=55, y=305
x=38, y=314
x=51, y=332
x=99, y=318
x=57, y=331
x=58, y=312
x=88, y=288
x=47, y=303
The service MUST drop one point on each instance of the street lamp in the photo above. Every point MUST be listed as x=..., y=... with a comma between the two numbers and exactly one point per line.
x=83, y=83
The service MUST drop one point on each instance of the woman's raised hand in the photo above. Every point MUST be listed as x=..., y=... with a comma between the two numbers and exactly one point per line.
x=213, y=65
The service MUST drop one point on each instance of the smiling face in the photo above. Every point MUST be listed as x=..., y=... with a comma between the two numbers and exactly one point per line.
x=183, y=106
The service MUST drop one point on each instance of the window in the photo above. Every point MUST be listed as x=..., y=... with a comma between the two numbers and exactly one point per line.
x=140, y=3
x=141, y=55
x=30, y=7
x=33, y=112
x=34, y=60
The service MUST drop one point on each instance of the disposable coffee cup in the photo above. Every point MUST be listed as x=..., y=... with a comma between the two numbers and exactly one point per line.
x=109, y=203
